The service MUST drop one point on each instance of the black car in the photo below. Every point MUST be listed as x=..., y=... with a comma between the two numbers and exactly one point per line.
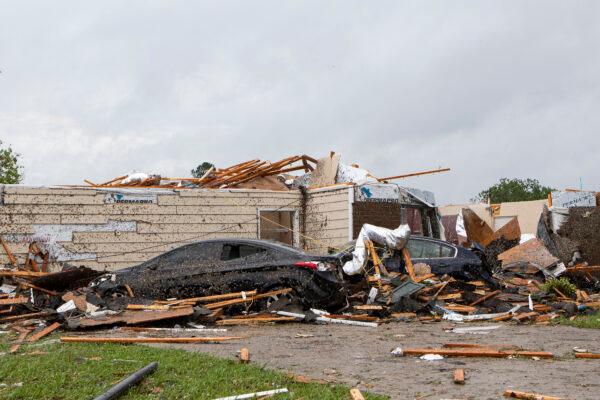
x=229, y=265
x=443, y=258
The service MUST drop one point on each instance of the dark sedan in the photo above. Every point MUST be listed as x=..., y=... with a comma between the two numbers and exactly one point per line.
x=443, y=258
x=229, y=265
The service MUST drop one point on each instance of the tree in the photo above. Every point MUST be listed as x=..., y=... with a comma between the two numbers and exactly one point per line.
x=507, y=190
x=201, y=169
x=10, y=170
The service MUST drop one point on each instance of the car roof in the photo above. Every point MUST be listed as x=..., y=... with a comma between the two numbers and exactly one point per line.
x=255, y=242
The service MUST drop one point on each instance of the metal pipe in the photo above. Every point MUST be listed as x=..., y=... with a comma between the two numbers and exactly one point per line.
x=121, y=387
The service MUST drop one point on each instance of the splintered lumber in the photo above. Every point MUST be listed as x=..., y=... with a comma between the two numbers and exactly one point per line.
x=14, y=300
x=355, y=394
x=486, y=297
x=529, y=396
x=12, y=318
x=79, y=339
x=476, y=352
x=459, y=376
x=9, y=253
x=212, y=306
x=23, y=332
x=460, y=308
x=244, y=355
x=409, y=265
x=368, y=307
x=587, y=355
x=147, y=307
x=450, y=296
x=250, y=321
x=215, y=297
x=46, y=331
x=8, y=272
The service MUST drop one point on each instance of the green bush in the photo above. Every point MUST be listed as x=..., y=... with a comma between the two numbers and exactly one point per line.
x=562, y=284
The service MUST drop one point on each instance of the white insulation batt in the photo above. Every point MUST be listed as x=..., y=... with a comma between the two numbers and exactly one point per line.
x=393, y=239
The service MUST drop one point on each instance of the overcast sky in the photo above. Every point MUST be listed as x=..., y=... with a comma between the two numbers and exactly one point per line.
x=93, y=90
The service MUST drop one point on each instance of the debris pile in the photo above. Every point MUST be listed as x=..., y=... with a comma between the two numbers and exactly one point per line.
x=262, y=174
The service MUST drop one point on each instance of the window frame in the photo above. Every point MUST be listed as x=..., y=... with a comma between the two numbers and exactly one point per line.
x=295, y=223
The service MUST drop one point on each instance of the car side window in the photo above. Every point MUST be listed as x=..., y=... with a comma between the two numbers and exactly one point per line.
x=427, y=249
x=235, y=251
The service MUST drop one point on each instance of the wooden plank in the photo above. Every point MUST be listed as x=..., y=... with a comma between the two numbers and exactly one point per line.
x=14, y=300
x=138, y=317
x=409, y=265
x=482, y=352
x=486, y=297
x=212, y=306
x=433, y=171
x=529, y=396
x=459, y=376
x=80, y=339
x=6, y=272
x=587, y=355
x=250, y=321
x=147, y=307
x=25, y=316
x=46, y=331
x=368, y=307
x=205, y=299
x=9, y=253
x=450, y=296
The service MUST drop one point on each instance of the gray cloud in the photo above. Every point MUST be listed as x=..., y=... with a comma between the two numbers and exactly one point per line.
x=491, y=89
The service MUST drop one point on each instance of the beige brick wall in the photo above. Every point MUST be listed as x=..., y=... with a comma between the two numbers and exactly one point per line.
x=328, y=218
x=79, y=226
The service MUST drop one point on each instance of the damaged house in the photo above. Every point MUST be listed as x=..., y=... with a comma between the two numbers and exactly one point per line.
x=133, y=218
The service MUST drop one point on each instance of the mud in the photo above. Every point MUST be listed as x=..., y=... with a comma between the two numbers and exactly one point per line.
x=361, y=356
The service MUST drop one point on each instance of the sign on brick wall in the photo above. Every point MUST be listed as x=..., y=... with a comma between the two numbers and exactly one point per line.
x=129, y=198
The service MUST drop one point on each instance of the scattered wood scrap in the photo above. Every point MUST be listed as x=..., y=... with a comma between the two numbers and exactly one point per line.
x=80, y=339
x=244, y=355
x=355, y=394
x=46, y=331
x=459, y=376
x=529, y=396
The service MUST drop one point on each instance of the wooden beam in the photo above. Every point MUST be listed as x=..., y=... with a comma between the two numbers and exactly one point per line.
x=486, y=297
x=80, y=339
x=409, y=265
x=221, y=304
x=46, y=331
x=433, y=171
x=587, y=355
x=9, y=253
x=476, y=353
x=6, y=272
x=205, y=299
x=14, y=300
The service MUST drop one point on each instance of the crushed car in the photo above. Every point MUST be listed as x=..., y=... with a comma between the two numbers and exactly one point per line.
x=229, y=265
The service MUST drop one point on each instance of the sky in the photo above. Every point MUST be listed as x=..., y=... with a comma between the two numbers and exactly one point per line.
x=491, y=89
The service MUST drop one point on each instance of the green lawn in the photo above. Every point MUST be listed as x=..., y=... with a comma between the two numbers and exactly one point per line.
x=81, y=371
x=582, y=321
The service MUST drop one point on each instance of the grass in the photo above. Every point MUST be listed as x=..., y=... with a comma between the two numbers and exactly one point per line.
x=591, y=321
x=81, y=371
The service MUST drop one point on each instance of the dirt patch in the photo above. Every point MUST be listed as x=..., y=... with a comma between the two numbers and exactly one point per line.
x=361, y=356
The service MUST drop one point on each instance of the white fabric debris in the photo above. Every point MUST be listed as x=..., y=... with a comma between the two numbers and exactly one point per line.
x=431, y=357
x=394, y=239
x=68, y=306
x=475, y=330
x=137, y=177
